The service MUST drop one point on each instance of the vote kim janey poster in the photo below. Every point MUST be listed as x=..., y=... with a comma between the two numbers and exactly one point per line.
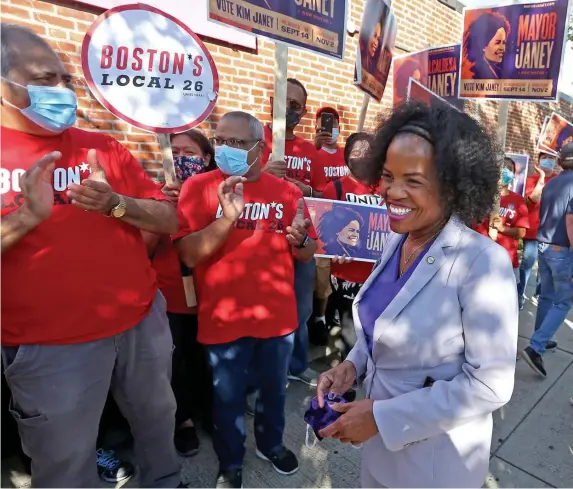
x=556, y=133
x=435, y=68
x=375, y=45
x=521, y=167
x=347, y=229
x=514, y=51
x=318, y=26
x=149, y=69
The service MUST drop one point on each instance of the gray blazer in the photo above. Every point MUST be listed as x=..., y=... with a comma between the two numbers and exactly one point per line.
x=455, y=320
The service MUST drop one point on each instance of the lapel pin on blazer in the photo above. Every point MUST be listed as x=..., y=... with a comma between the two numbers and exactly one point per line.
x=431, y=260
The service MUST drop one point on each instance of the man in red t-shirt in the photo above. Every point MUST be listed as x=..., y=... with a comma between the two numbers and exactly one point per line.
x=331, y=164
x=544, y=172
x=80, y=306
x=513, y=220
x=300, y=157
x=240, y=229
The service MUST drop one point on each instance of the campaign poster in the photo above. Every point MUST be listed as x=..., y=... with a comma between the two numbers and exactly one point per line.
x=319, y=26
x=149, y=69
x=375, y=44
x=351, y=230
x=513, y=51
x=420, y=93
x=521, y=166
x=556, y=133
x=435, y=68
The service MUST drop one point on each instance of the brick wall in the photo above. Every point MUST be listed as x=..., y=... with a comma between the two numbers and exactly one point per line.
x=246, y=78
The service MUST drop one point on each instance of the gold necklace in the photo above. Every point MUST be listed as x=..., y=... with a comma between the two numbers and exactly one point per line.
x=406, y=260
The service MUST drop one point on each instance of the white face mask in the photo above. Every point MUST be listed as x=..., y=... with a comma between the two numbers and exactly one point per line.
x=335, y=134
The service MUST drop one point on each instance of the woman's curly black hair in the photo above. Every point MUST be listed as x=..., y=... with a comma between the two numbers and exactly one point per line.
x=468, y=160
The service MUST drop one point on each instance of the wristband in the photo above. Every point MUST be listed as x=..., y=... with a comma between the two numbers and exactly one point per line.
x=304, y=243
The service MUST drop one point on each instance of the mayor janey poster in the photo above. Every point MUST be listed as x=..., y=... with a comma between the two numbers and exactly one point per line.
x=513, y=51
x=309, y=24
x=556, y=133
x=435, y=68
x=355, y=231
x=375, y=44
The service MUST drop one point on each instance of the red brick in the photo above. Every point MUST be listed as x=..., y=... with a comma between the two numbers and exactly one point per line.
x=54, y=21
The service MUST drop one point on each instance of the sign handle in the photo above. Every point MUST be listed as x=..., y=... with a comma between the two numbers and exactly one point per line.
x=279, y=102
x=363, y=112
x=167, y=155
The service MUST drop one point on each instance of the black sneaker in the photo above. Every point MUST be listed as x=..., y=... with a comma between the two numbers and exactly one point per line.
x=112, y=469
x=551, y=345
x=283, y=461
x=534, y=360
x=317, y=332
x=229, y=479
x=186, y=441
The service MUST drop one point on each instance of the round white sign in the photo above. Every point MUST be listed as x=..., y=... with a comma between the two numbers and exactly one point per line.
x=149, y=69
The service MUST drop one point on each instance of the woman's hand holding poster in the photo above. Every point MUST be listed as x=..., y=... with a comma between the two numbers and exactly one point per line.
x=350, y=230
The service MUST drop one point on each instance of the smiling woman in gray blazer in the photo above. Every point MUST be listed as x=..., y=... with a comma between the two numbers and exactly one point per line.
x=437, y=319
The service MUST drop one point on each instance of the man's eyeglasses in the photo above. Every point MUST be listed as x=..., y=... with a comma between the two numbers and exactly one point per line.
x=291, y=103
x=232, y=142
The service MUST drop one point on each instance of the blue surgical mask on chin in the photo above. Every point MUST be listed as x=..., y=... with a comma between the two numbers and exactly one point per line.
x=51, y=108
x=233, y=161
x=507, y=176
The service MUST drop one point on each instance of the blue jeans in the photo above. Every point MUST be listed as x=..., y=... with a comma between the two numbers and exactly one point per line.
x=233, y=365
x=527, y=261
x=556, y=297
x=304, y=273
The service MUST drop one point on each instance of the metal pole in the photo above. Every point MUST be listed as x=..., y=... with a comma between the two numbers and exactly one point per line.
x=363, y=112
x=279, y=102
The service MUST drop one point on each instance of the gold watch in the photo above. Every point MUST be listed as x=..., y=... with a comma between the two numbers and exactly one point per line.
x=119, y=210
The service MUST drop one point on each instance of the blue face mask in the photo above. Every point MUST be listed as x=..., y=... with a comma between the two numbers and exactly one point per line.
x=233, y=161
x=547, y=164
x=51, y=108
x=507, y=176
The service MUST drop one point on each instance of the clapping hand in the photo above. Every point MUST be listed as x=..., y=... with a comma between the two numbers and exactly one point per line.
x=37, y=188
x=95, y=193
x=298, y=230
x=230, y=193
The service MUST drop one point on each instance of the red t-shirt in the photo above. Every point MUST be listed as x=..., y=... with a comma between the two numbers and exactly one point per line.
x=79, y=276
x=300, y=156
x=352, y=191
x=533, y=207
x=169, y=277
x=513, y=213
x=329, y=167
x=246, y=289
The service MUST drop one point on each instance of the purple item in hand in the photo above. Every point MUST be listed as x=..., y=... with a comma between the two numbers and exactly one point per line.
x=319, y=418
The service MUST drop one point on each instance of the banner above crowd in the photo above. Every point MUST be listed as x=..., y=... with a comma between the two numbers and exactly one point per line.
x=375, y=45
x=308, y=24
x=435, y=68
x=556, y=133
x=149, y=69
x=513, y=51
x=351, y=230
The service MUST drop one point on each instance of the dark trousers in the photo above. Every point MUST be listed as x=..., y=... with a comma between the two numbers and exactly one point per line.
x=191, y=378
x=233, y=364
x=341, y=299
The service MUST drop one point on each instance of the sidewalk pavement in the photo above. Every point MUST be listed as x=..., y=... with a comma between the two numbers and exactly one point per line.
x=532, y=443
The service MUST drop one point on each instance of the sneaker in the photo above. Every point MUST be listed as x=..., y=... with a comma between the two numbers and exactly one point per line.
x=112, y=469
x=308, y=377
x=186, y=441
x=534, y=360
x=229, y=479
x=551, y=345
x=317, y=332
x=283, y=461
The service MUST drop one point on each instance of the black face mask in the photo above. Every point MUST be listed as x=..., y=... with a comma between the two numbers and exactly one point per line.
x=360, y=168
x=292, y=118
